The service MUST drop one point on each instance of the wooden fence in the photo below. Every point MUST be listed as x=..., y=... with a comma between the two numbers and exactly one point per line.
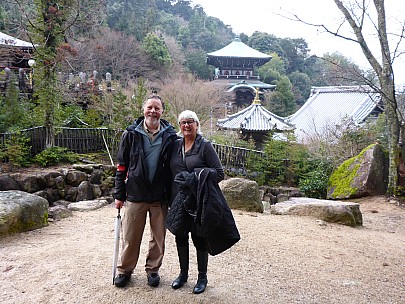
x=235, y=158
x=78, y=140
x=89, y=140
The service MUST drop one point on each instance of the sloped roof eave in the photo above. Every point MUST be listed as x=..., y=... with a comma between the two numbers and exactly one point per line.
x=254, y=118
x=7, y=40
x=237, y=49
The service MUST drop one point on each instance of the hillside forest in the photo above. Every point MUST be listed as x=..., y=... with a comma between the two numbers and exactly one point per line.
x=162, y=44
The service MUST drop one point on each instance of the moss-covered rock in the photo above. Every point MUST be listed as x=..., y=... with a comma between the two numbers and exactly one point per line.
x=362, y=175
x=21, y=211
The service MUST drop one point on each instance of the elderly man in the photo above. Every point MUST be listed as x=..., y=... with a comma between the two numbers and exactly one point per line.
x=143, y=179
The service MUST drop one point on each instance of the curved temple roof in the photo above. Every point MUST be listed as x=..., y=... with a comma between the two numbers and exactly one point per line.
x=254, y=118
x=237, y=49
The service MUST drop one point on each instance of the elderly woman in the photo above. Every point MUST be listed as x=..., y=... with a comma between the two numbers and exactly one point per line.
x=195, y=160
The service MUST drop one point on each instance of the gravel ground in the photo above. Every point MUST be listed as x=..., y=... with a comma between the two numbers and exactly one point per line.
x=279, y=259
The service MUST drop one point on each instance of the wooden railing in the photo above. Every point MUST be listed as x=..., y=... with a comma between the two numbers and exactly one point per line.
x=234, y=158
x=89, y=140
x=78, y=140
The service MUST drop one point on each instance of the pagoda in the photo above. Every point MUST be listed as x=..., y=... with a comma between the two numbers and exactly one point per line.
x=234, y=69
x=255, y=122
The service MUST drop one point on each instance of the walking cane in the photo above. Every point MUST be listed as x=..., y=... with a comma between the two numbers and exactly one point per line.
x=116, y=243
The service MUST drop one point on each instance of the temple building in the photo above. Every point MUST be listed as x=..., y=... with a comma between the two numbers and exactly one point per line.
x=234, y=69
x=14, y=53
x=15, y=59
x=329, y=108
x=255, y=123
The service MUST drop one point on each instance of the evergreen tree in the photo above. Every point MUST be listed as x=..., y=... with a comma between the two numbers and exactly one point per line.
x=156, y=48
x=282, y=101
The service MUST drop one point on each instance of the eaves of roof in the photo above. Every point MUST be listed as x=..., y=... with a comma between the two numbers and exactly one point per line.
x=254, y=118
x=238, y=49
x=230, y=83
x=11, y=41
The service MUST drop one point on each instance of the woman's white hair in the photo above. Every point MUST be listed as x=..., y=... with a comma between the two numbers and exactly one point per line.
x=187, y=114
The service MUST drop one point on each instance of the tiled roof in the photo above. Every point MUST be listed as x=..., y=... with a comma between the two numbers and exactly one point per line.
x=239, y=50
x=232, y=84
x=253, y=118
x=329, y=106
x=11, y=41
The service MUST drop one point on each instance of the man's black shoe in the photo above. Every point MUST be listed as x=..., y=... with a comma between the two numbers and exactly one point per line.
x=153, y=279
x=121, y=280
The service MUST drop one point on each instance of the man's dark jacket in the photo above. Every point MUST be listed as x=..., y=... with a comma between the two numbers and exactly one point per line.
x=200, y=198
x=131, y=180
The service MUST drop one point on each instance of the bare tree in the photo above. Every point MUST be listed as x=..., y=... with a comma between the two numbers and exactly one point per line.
x=185, y=92
x=358, y=14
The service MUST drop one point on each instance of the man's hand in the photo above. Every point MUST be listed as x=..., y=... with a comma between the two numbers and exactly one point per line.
x=119, y=204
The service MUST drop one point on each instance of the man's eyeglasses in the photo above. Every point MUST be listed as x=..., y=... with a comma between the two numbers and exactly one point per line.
x=187, y=122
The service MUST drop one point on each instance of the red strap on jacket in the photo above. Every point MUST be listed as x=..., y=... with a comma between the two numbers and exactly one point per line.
x=121, y=168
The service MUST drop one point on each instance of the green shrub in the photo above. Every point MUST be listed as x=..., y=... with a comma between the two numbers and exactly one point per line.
x=283, y=163
x=55, y=155
x=16, y=151
x=315, y=183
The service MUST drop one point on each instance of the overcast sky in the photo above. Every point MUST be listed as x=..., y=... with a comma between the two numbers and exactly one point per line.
x=248, y=16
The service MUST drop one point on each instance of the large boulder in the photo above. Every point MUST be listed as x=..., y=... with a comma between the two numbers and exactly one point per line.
x=363, y=175
x=21, y=211
x=242, y=194
x=346, y=213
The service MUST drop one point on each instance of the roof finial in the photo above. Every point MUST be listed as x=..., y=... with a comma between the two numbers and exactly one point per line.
x=257, y=99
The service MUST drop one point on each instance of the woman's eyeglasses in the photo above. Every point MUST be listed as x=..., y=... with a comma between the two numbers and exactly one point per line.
x=186, y=122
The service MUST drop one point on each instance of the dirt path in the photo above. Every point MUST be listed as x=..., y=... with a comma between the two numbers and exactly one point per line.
x=280, y=259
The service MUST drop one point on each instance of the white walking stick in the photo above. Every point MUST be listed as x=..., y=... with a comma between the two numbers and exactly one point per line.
x=116, y=243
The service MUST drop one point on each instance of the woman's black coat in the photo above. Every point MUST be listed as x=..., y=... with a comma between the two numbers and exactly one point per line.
x=200, y=198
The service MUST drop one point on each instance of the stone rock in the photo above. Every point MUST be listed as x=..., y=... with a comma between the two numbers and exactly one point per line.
x=346, y=213
x=44, y=194
x=54, y=195
x=363, y=175
x=61, y=203
x=30, y=182
x=107, y=186
x=8, y=183
x=21, y=211
x=282, y=197
x=59, y=212
x=87, y=168
x=96, y=177
x=74, y=177
x=53, y=179
x=278, y=194
x=71, y=194
x=87, y=205
x=242, y=194
x=109, y=170
x=266, y=206
x=97, y=192
x=60, y=182
x=84, y=191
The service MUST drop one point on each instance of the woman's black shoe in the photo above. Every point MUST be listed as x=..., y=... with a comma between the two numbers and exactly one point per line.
x=201, y=284
x=179, y=282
